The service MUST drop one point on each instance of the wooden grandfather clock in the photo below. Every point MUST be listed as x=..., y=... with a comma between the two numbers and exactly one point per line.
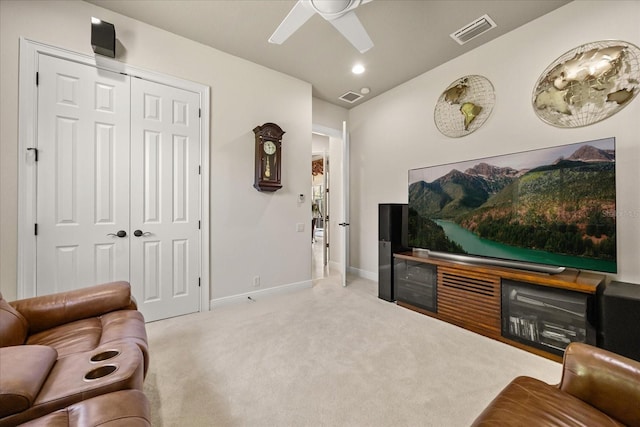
x=268, y=168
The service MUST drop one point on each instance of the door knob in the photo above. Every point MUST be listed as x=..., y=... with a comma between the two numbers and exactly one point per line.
x=139, y=233
x=120, y=233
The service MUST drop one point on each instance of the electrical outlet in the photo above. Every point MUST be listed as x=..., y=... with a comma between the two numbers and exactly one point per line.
x=256, y=281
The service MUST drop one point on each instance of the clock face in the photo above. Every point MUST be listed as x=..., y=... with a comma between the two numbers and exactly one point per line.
x=269, y=147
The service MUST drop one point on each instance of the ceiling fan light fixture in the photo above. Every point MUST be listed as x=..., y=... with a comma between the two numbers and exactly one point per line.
x=340, y=13
x=331, y=7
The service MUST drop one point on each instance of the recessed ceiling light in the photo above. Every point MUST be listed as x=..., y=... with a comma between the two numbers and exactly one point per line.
x=365, y=90
x=358, y=69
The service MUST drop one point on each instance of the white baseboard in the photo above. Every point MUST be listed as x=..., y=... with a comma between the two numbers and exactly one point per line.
x=364, y=274
x=335, y=266
x=260, y=293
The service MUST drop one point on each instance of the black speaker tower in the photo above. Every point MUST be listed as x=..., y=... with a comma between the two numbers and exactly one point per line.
x=619, y=312
x=393, y=219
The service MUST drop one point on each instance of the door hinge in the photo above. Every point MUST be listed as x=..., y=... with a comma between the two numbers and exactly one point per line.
x=199, y=112
x=199, y=170
x=198, y=225
x=35, y=229
x=37, y=78
x=327, y=245
x=199, y=282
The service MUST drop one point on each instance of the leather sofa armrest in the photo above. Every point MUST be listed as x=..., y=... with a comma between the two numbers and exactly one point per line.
x=125, y=408
x=23, y=371
x=48, y=311
x=604, y=380
x=133, y=305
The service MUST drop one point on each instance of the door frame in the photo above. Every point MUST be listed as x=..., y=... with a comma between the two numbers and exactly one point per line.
x=341, y=238
x=27, y=171
x=326, y=234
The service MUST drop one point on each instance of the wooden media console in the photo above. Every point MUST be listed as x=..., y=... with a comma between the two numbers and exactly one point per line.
x=538, y=312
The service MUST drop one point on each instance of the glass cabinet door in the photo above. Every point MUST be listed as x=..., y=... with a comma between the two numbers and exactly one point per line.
x=546, y=318
x=416, y=283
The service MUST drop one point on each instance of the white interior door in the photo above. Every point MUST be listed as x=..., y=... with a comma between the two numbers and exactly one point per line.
x=82, y=176
x=165, y=203
x=344, y=258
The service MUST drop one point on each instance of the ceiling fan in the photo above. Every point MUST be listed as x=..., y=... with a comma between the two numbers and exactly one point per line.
x=340, y=13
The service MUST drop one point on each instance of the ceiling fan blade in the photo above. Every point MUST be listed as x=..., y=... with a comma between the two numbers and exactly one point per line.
x=294, y=20
x=351, y=28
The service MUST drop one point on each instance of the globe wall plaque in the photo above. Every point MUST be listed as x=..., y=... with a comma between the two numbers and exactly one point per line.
x=464, y=106
x=588, y=84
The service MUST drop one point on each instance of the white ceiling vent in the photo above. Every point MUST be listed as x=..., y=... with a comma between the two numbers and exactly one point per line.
x=350, y=97
x=473, y=30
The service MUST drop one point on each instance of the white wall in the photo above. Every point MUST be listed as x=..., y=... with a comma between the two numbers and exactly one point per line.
x=252, y=233
x=395, y=132
x=319, y=144
x=328, y=115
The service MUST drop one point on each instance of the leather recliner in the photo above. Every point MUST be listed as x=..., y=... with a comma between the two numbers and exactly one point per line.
x=127, y=408
x=74, y=321
x=598, y=388
x=57, y=350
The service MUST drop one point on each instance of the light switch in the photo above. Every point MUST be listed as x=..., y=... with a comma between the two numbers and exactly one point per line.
x=300, y=227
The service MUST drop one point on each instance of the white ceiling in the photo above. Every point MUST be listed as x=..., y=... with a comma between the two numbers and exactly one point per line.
x=410, y=37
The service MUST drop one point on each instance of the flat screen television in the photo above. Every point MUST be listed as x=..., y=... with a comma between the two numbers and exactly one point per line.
x=544, y=210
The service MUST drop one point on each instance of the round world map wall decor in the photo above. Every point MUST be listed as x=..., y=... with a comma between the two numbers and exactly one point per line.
x=588, y=84
x=464, y=106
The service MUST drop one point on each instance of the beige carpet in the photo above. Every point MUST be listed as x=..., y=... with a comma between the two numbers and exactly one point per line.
x=326, y=356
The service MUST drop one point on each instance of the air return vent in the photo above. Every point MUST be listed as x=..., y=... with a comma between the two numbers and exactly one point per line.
x=473, y=30
x=350, y=97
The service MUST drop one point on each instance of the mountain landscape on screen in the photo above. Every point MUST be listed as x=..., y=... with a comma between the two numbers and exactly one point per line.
x=562, y=205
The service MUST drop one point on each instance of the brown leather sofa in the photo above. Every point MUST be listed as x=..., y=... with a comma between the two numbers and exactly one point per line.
x=126, y=408
x=598, y=388
x=61, y=349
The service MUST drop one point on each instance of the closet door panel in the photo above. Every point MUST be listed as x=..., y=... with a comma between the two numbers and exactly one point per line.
x=82, y=176
x=165, y=199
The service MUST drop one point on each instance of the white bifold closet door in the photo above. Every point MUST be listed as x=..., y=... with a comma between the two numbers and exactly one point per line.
x=83, y=176
x=117, y=186
x=165, y=203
